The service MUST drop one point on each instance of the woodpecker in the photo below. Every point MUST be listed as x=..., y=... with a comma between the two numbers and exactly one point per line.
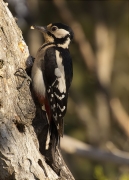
x=52, y=74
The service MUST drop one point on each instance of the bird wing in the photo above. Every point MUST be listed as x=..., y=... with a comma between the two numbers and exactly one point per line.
x=54, y=82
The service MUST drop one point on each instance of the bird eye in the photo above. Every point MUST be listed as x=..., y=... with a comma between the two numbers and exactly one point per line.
x=54, y=28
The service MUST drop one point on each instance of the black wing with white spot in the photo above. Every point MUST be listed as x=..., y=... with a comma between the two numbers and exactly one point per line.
x=55, y=82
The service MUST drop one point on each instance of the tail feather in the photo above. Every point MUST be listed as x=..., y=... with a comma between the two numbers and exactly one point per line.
x=47, y=140
x=53, y=143
x=54, y=135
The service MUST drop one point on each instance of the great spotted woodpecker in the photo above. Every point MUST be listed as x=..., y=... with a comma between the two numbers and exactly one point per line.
x=52, y=74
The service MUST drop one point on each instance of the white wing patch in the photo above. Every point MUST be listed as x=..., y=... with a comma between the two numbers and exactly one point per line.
x=61, y=81
x=48, y=90
x=57, y=72
x=62, y=109
x=59, y=97
x=55, y=117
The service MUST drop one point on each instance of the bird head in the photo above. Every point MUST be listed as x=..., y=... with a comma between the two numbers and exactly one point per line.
x=57, y=33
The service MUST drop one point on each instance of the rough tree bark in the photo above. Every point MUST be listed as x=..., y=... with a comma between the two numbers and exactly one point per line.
x=22, y=123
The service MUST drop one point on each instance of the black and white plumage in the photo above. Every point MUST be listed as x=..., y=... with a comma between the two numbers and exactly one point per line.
x=52, y=74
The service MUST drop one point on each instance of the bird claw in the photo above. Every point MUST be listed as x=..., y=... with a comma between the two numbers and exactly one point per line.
x=22, y=73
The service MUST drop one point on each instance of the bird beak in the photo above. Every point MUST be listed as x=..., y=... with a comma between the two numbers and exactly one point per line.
x=42, y=29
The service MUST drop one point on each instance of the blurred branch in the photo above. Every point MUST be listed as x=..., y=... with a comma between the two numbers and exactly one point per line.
x=85, y=115
x=102, y=116
x=97, y=129
x=120, y=115
x=84, y=45
x=105, y=42
x=111, y=147
x=72, y=146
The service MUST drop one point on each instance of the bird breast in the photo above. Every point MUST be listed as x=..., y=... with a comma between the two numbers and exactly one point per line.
x=37, y=79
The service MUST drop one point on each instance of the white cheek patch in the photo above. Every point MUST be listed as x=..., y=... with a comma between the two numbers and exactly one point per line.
x=60, y=33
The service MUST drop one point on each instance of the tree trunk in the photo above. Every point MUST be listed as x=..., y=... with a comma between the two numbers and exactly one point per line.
x=22, y=122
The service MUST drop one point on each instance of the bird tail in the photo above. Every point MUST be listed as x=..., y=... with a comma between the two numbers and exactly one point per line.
x=53, y=143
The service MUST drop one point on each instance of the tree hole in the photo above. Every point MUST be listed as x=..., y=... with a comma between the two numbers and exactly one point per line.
x=20, y=127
